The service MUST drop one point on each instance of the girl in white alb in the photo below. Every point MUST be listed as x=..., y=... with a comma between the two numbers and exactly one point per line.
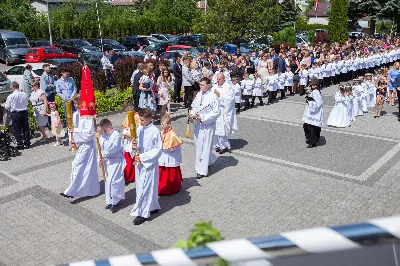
x=303, y=79
x=258, y=89
x=339, y=116
x=247, y=90
x=288, y=80
x=238, y=93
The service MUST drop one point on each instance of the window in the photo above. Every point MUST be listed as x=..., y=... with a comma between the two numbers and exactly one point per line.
x=38, y=72
x=1, y=42
x=17, y=70
x=58, y=51
x=48, y=51
x=32, y=51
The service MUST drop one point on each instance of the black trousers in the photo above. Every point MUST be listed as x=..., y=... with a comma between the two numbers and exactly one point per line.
x=302, y=90
x=283, y=95
x=20, y=125
x=398, y=97
x=270, y=96
x=136, y=98
x=189, y=95
x=177, y=90
x=237, y=105
x=312, y=133
x=254, y=99
x=247, y=101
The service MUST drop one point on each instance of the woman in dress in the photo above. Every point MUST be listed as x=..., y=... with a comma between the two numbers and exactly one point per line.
x=339, y=116
x=263, y=66
x=39, y=102
x=196, y=76
x=147, y=99
x=164, y=82
x=381, y=84
x=294, y=66
x=392, y=77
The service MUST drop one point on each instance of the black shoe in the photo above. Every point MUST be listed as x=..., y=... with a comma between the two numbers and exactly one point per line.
x=139, y=220
x=108, y=207
x=20, y=148
x=268, y=103
x=311, y=145
x=398, y=118
x=154, y=211
x=199, y=176
x=64, y=195
x=261, y=104
x=113, y=208
x=217, y=149
x=308, y=142
x=222, y=151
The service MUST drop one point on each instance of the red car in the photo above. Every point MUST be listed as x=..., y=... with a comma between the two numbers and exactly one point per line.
x=39, y=54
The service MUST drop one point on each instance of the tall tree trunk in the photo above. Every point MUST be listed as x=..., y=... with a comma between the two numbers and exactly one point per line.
x=372, y=27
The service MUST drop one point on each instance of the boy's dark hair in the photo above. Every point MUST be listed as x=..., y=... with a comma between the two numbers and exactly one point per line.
x=206, y=80
x=314, y=82
x=146, y=113
x=105, y=122
x=128, y=105
x=76, y=98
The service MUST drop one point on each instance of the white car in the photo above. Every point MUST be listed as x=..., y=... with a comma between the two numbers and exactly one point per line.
x=16, y=72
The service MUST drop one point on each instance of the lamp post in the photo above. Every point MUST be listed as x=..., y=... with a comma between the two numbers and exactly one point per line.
x=48, y=22
x=98, y=21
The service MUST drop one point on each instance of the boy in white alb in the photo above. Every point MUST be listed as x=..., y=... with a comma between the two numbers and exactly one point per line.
x=247, y=88
x=238, y=94
x=288, y=81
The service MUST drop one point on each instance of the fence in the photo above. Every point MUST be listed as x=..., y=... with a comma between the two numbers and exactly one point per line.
x=271, y=250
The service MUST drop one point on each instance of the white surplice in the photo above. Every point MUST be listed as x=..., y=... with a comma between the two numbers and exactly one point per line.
x=361, y=99
x=206, y=104
x=371, y=93
x=84, y=177
x=146, y=173
x=75, y=122
x=227, y=120
x=114, y=164
x=314, y=111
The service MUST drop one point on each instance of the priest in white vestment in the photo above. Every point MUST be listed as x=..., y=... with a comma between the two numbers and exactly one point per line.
x=227, y=120
x=84, y=177
x=205, y=111
x=149, y=146
x=114, y=164
x=313, y=115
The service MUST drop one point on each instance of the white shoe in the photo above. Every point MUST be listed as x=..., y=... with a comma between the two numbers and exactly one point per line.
x=56, y=144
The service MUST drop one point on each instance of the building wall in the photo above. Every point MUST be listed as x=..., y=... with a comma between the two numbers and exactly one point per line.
x=39, y=6
x=323, y=21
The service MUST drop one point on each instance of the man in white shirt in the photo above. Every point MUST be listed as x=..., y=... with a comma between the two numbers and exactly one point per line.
x=17, y=104
x=107, y=66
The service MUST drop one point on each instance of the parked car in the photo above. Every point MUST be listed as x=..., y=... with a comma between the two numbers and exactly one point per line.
x=160, y=47
x=171, y=56
x=39, y=43
x=108, y=44
x=16, y=72
x=134, y=42
x=185, y=40
x=76, y=46
x=160, y=37
x=13, y=47
x=200, y=38
x=132, y=54
x=92, y=59
x=184, y=48
x=5, y=89
x=300, y=41
x=60, y=62
x=39, y=54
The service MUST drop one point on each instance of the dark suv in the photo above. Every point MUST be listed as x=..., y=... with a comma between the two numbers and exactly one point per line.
x=134, y=42
x=108, y=44
x=76, y=46
x=185, y=40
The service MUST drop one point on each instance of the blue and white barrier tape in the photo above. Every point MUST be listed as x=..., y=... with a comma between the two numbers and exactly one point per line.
x=308, y=241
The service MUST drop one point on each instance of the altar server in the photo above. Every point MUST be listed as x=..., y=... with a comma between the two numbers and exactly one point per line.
x=205, y=112
x=238, y=93
x=303, y=79
x=227, y=121
x=247, y=88
x=113, y=162
x=313, y=115
x=84, y=177
x=170, y=176
x=149, y=147
x=272, y=85
x=258, y=89
x=352, y=106
x=288, y=79
x=129, y=170
x=339, y=116
x=360, y=97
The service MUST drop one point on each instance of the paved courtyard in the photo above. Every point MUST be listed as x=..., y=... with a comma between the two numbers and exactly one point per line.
x=269, y=183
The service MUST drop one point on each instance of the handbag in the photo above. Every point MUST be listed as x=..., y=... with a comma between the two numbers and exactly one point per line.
x=296, y=77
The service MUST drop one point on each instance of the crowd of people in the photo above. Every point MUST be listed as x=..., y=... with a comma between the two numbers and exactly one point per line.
x=216, y=86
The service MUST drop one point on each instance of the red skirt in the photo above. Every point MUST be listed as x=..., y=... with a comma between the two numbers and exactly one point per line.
x=170, y=180
x=129, y=171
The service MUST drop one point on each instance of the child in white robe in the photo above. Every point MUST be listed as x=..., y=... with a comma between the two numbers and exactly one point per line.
x=352, y=103
x=272, y=85
x=258, y=90
x=371, y=90
x=303, y=79
x=359, y=91
x=281, y=82
x=288, y=81
x=247, y=88
x=84, y=177
x=339, y=116
x=149, y=146
x=114, y=164
x=238, y=93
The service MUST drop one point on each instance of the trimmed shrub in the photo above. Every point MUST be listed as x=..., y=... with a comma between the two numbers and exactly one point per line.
x=322, y=37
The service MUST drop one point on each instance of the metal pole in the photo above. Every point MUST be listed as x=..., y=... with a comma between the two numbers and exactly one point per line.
x=48, y=22
x=205, y=7
x=98, y=21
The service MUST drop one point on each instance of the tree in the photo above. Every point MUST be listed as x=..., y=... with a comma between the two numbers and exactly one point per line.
x=238, y=21
x=391, y=11
x=362, y=8
x=288, y=16
x=15, y=13
x=338, y=21
x=287, y=35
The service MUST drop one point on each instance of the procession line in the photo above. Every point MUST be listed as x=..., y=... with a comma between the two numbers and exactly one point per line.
x=324, y=129
x=280, y=161
x=330, y=106
x=378, y=164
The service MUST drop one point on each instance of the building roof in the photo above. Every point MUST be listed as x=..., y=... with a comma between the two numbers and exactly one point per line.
x=322, y=11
